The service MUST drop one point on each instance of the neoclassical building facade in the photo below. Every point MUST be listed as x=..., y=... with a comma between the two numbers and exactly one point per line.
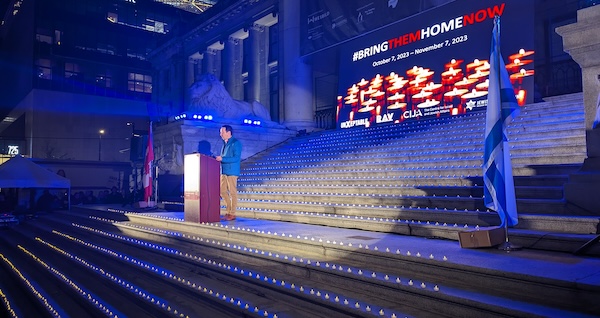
x=252, y=48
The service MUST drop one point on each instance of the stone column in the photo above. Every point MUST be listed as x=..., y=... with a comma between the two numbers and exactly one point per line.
x=212, y=59
x=582, y=41
x=198, y=70
x=195, y=68
x=232, y=66
x=208, y=61
x=254, y=63
x=190, y=72
x=297, y=77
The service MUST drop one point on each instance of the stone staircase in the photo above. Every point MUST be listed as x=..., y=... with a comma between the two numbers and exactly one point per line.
x=107, y=262
x=426, y=173
x=333, y=224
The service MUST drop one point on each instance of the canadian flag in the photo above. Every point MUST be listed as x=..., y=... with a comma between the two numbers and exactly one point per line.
x=147, y=177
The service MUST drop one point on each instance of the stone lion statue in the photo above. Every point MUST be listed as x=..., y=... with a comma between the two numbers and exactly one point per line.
x=209, y=96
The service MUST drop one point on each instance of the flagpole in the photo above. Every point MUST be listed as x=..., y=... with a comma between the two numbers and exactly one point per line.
x=156, y=186
x=508, y=246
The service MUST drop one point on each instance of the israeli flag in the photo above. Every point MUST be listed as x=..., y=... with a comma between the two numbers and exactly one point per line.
x=502, y=107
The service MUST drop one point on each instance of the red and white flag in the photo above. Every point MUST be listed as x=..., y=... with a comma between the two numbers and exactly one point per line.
x=147, y=177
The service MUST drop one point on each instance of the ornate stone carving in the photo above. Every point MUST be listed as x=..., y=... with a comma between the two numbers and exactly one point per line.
x=209, y=96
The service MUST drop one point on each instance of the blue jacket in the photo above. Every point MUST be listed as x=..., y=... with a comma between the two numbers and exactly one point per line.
x=231, y=152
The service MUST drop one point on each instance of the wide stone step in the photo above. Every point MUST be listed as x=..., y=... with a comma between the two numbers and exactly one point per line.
x=456, y=127
x=328, y=183
x=359, y=191
x=568, y=123
x=262, y=246
x=433, y=160
x=380, y=219
x=432, y=152
x=521, y=167
x=323, y=203
x=522, y=143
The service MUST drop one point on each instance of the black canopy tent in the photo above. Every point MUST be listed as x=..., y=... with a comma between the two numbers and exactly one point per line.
x=20, y=172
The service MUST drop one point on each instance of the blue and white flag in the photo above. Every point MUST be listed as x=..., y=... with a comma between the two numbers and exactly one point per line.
x=499, y=189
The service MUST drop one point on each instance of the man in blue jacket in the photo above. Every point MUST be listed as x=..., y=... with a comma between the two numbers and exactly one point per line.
x=230, y=158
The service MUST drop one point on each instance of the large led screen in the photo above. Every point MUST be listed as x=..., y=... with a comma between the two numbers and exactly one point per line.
x=433, y=64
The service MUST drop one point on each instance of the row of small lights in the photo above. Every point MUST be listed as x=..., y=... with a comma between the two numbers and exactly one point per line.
x=374, y=219
x=194, y=116
x=371, y=153
x=38, y=295
x=404, y=194
x=243, y=229
x=341, y=162
x=342, y=216
x=157, y=270
x=84, y=294
x=325, y=138
x=344, y=163
x=201, y=117
x=282, y=184
x=303, y=289
x=426, y=123
x=357, y=156
x=330, y=215
x=314, y=150
x=349, y=178
x=368, y=143
x=128, y=286
x=348, y=186
x=362, y=142
x=261, y=171
x=398, y=144
x=336, y=162
x=9, y=310
x=339, y=194
x=252, y=122
x=366, y=170
x=373, y=177
x=360, y=272
x=365, y=206
x=386, y=133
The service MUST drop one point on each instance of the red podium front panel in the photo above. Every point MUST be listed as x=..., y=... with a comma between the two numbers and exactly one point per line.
x=201, y=187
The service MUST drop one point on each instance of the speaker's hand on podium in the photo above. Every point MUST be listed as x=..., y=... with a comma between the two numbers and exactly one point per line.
x=219, y=158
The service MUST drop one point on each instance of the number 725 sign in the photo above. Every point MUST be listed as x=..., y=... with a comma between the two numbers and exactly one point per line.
x=13, y=150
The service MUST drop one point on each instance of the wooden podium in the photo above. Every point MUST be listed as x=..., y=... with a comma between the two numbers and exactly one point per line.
x=201, y=189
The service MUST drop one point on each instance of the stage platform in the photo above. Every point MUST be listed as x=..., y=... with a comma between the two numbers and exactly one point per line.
x=554, y=265
x=522, y=282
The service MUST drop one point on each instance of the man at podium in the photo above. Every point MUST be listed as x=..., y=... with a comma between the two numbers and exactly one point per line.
x=230, y=158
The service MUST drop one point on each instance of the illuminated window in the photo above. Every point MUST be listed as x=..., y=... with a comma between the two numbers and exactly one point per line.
x=137, y=20
x=44, y=69
x=103, y=80
x=43, y=36
x=136, y=52
x=57, y=37
x=105, y=48
x=139, y=83
x=72, y=70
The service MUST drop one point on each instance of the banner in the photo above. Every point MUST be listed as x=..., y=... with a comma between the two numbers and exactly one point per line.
x=433, y=64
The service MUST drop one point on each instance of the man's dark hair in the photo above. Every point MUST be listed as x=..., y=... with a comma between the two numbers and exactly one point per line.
x=228, y=128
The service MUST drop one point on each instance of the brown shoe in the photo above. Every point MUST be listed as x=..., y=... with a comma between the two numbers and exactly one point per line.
x=230, y=217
